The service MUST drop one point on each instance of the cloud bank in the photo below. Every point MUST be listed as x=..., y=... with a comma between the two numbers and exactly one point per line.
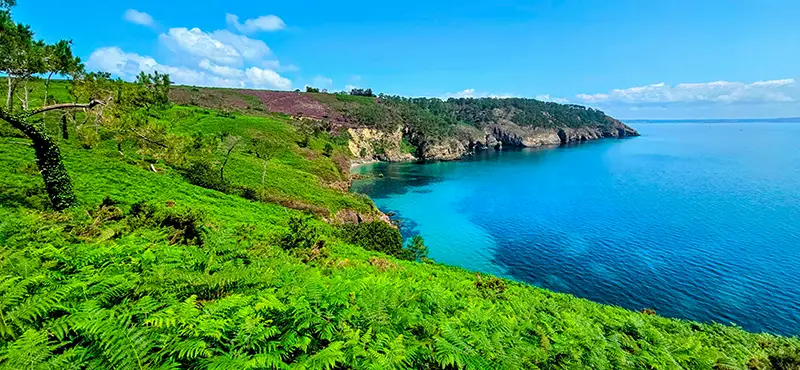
x=218, y=58
x=717, y=92
x=137, y=17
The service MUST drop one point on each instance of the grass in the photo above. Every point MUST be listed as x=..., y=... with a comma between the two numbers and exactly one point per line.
x=103, y=285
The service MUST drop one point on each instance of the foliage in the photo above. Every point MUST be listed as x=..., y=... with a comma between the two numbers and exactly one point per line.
x=302, y=234
x=149, y=270
x=362, y=92
x=377, y=236
x=114, y=284
x=490, y=287
x=417, y=246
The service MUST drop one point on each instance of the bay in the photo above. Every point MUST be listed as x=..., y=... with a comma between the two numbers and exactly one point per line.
x=694, y=220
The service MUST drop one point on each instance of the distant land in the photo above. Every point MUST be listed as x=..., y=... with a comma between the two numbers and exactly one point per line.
x=718, y=120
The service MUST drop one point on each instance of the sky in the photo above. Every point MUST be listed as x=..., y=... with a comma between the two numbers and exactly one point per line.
x=634, y=59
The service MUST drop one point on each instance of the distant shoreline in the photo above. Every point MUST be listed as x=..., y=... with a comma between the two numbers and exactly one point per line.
x=718, y=120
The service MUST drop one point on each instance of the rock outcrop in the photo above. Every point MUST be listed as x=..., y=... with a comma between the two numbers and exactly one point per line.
x=445, y=150
x=352, y=217
x=369, y=143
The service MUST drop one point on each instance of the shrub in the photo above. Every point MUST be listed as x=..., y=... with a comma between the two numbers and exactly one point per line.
x=377, y=236
x=362, y=92
x=186, y=223
x=302, y=234
x=202, y=173
x=418, y=247
x=328, y=151
x=490, y=287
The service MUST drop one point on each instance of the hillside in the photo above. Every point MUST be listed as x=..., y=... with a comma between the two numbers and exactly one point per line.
x=162, y=264
x=393, y=128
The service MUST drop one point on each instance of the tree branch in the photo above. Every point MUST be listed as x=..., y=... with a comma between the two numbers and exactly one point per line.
x=88, y=105
x=147, y=139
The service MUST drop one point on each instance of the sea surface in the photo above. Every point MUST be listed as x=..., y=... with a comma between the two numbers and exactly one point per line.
x=694, y=220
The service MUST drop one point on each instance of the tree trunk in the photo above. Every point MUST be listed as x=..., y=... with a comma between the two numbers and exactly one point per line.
x=26, y=100
x=44, y=101
x=48, y=159
x=10, y=95
x=64, y=128
x=55, y=176
x=224, y=163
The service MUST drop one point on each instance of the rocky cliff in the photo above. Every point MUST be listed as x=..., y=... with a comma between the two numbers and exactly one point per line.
x=496, y=128
x=370, y=143
x=373, y=144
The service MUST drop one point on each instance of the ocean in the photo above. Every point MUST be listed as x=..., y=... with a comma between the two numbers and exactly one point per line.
x=698, y=221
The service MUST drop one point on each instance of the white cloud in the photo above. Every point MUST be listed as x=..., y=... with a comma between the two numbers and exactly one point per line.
x=467, y=93
x=221, y=46
x=266, y=78
x=717, y=92
x=199, y=44
x=137, y=17
x=471, y=93
x=222, y=71
x=547, y=97
x=263, y=23
x=249, y=49
x=127, y=65
x=350, y=87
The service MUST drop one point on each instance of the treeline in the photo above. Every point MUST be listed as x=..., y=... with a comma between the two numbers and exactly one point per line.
x=433, y=117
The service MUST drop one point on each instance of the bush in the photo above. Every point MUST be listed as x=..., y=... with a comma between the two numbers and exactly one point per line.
x=377, y=236
x=202, y=173
x=186, y=224
x=418, y=247
x=362, y=92
x=490, y=287
x=302, y=234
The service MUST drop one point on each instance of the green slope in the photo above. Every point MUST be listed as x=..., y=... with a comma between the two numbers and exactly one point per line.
x=151, y=271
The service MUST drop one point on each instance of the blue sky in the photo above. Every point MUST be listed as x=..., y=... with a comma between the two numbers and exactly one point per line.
x=633, y=58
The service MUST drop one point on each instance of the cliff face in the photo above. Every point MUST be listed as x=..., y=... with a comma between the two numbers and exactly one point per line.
x=513, y=135
x=498, y=130
x=370, y=143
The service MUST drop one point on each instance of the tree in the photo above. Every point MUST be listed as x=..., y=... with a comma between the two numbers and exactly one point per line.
x=229, y=142
x=108, y=103
x=58, y=60
x=362, y=92
x=20, y=58
x=418, y=247
x=265, y=148
x=151, y=91
x=17, y=52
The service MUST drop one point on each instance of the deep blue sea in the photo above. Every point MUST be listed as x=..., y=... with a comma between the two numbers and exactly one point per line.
x=694, y=220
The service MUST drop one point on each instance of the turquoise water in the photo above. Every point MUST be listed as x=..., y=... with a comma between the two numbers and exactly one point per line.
x=696, y=221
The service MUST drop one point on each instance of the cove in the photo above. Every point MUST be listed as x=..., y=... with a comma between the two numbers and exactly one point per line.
x=694, y=220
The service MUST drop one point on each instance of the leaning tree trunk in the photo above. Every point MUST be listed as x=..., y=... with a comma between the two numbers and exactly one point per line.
x=48, y=159
x=64, y=128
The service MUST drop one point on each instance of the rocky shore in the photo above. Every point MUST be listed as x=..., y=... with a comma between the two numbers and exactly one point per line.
x=368, y=144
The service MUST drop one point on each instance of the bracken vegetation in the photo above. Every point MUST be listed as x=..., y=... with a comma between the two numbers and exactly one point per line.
x=205, y=239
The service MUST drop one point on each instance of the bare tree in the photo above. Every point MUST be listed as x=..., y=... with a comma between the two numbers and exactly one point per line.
x=229, y=142
x=265, y=148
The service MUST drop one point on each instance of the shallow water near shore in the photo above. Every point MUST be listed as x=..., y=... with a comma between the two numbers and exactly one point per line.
x=694, y=220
